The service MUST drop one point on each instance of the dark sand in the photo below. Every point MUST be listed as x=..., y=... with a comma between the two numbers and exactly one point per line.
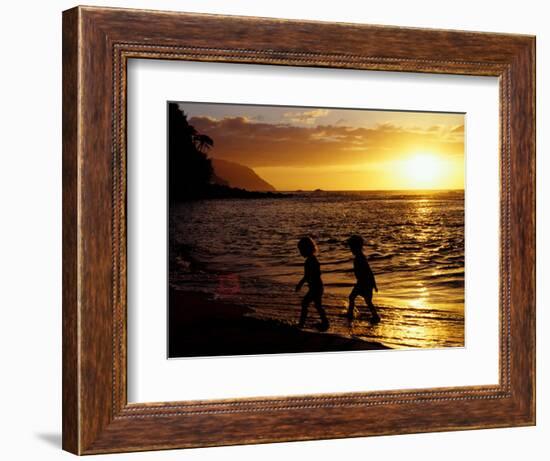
x=200, y=326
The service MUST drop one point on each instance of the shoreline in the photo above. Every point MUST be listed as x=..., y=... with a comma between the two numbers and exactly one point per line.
x=217, y=191
x=200, y=326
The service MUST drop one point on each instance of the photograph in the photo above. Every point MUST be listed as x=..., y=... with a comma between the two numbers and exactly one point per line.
x=313, y=229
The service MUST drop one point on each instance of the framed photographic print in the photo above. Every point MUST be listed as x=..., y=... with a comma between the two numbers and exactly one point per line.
x=281, y=230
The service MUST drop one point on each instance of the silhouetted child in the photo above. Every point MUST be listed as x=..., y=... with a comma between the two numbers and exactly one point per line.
x=365, y=279
x=312, y=275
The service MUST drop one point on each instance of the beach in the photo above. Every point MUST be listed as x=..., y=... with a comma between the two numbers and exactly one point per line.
x=202, y=326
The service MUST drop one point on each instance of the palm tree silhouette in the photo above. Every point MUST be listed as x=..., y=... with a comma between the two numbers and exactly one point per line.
x=203, y=142
x=190, y=169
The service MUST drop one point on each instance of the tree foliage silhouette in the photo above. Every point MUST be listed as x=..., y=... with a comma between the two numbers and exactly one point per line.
x=190, y=169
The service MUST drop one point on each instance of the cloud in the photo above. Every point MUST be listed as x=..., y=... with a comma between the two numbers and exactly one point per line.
x=307, y=117
x=259, y=144
x=388, y=126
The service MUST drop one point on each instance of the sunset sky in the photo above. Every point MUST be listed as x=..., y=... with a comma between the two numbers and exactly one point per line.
x=336, y=149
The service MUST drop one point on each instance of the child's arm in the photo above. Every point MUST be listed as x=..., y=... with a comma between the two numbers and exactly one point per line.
x=307, y=273
x=367, y=274
x=301, y=283
x=371, y=273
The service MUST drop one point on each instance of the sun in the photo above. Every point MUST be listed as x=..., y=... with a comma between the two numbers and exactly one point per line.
x=423, y=170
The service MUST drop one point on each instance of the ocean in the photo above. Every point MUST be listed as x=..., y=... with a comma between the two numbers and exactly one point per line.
x=244, y=250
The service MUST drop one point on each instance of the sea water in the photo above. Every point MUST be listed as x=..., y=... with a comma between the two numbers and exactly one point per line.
x=244, y=251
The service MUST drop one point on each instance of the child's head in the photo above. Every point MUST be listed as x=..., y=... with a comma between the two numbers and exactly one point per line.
x=307, y=246
x=355, y=243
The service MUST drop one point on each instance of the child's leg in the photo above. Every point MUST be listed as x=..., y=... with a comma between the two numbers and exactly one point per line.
x=368, y=299
x=352, y=297
x=319, y=306
x=305, y=303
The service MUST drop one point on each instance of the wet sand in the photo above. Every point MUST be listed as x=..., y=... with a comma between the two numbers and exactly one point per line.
x=201, y=326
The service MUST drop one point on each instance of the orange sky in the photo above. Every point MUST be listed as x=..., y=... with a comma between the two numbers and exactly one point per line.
x=337, y=149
